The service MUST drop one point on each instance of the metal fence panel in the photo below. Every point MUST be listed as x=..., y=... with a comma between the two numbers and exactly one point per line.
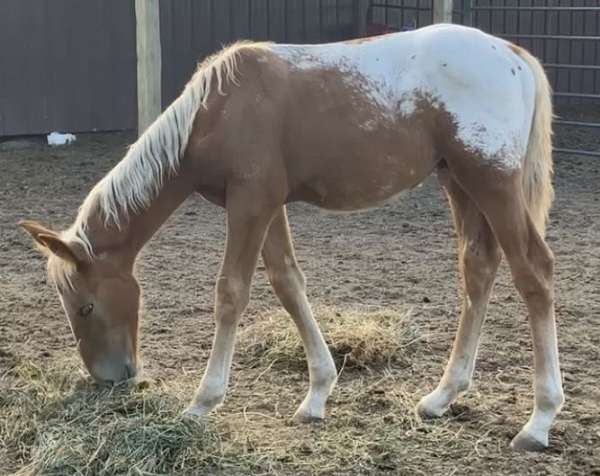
x=401, y=15
x=565, y=35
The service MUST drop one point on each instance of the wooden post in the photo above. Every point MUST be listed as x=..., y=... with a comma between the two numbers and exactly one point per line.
x=442, y=11
x=148, y=62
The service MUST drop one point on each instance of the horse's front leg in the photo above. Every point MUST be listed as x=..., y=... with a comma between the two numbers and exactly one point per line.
x=289, y=284
x=249, y=214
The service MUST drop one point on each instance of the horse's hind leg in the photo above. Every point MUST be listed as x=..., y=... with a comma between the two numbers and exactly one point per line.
x=479, y=257
x=289, y=285
x=500, y=197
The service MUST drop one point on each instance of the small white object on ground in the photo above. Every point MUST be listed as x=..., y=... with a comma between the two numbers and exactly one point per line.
x=58, y=138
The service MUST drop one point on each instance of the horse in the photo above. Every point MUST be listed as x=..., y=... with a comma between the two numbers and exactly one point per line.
x=343, y=126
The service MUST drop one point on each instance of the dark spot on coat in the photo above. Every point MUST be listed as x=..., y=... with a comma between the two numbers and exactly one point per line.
x=520, y=68
x=512, y=70
x=444, y=64
x=413, y=56
x=493, y=47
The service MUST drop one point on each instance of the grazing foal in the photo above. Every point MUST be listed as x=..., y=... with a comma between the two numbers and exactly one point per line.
x=343, y=126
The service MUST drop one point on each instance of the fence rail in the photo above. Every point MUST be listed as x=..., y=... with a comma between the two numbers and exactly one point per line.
x=534, y=8
x=577, y=123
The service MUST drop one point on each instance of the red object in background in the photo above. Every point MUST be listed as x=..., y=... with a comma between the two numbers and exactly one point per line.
x=374, y=29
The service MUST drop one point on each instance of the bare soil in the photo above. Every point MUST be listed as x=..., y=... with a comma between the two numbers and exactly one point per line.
x=396, y=257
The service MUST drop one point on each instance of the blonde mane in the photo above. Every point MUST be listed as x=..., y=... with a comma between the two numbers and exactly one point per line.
x=136, y=180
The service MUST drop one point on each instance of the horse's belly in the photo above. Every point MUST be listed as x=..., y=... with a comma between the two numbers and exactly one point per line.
x=349, y=196
x=354, y=160
x=360, y=178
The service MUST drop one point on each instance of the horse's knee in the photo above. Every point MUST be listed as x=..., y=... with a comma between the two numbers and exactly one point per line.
x=286, y=277
x=479, y=262
x=544, y=261
x=232, y=296
x=535, y=287
x=534, y=272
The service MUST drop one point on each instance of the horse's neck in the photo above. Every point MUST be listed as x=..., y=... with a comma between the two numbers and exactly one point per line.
x=145, y=224
x=126, y=241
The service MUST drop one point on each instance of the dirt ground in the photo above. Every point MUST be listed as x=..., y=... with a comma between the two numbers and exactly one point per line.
x=399, y=256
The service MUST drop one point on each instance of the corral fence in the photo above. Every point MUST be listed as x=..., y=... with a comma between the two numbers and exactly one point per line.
x=75, y=68
x=565, y=35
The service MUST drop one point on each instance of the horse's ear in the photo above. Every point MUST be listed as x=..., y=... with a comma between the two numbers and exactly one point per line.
x=49, y=241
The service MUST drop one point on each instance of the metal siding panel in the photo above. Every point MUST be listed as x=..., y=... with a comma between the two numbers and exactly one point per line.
x=221, y=22
x=241, y=19
x=276, y=20
x=259, y=27
x=73, y=70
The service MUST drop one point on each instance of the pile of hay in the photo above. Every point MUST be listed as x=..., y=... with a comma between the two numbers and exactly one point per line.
x=357, y=337
x=53, y=422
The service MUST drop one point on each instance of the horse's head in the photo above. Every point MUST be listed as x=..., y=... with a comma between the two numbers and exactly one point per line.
x=101, y=299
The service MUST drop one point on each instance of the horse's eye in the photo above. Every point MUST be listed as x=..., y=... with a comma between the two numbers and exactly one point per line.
x=86, y=310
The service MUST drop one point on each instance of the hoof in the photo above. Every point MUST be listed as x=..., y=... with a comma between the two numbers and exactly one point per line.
x=306, y=416
x=527, y=442
x=194, y=413
x=307, y=419
x=427, y=411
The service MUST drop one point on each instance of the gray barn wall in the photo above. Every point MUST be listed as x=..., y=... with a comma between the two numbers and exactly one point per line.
x=192, y=29
x=70, y=65
x=67, y=65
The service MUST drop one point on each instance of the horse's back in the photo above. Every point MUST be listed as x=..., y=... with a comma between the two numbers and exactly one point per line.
x=357, y=122
x=475, y=78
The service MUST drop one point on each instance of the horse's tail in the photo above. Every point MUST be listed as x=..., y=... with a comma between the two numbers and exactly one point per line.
x=538, y=168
